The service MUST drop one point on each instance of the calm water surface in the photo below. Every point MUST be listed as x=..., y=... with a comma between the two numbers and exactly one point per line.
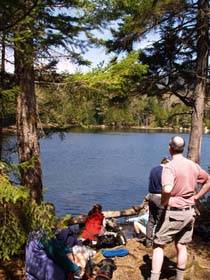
x=110, y=168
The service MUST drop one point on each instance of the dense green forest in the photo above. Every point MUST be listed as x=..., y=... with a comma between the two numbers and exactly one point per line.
x=107, y=96
x=101, y=98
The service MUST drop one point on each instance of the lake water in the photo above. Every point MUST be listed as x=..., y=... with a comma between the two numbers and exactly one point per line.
x=106, y=167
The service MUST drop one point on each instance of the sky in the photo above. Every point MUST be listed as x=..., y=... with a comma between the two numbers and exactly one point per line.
x=98, y=55
x=95, y=55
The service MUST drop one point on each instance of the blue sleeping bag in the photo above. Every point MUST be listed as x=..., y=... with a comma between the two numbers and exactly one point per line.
x=115, y=253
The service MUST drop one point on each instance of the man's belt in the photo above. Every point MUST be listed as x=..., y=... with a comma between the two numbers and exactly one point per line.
x=170, y=208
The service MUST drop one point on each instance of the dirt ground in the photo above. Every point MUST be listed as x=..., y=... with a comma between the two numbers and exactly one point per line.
x=137, y=264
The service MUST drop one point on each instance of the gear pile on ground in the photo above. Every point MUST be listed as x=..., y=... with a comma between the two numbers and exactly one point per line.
x=137, y=264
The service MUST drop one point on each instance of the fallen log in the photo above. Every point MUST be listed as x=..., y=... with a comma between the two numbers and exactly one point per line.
x=136, y=209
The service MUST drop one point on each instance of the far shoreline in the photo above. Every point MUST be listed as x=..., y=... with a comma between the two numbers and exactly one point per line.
x=52, y=127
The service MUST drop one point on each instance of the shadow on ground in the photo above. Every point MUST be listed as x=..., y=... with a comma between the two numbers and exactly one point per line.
x=168, y=271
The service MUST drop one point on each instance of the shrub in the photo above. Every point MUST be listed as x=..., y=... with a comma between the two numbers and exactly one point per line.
x=18, y=216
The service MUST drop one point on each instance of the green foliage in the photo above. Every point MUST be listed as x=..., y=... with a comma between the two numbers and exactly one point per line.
x=8, y=94
x=179, y=116
x=110, y=95
x=117, y=117
x=12, y=203
x=49, y=30
x=18, y=216
x=102, y=97
x=93, y=97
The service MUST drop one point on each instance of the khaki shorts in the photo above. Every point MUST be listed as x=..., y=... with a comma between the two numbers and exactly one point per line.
x=175, y=226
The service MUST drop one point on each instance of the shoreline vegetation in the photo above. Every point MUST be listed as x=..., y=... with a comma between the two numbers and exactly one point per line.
x=103, y=127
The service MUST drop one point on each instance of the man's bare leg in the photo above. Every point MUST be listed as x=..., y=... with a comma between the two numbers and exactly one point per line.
x=181, y=260
x=157, y=262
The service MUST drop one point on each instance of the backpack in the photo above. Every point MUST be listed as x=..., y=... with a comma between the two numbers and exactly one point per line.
x=110, y=240
x=68, y=237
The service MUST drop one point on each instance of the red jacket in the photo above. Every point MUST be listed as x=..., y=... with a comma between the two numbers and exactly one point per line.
x=93, y=226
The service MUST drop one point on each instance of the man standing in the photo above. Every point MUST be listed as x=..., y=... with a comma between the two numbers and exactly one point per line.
x=154, y=200
x=179, y=181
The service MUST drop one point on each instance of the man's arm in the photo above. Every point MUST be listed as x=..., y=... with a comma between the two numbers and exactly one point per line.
x=205, y=188
x=166, y=193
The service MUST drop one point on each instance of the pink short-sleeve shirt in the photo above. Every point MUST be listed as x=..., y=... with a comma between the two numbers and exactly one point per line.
x=184, y=175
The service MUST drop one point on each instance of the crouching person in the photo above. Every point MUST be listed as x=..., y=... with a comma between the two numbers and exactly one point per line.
x=47, y=259
x=139, y=225
x=46, y=256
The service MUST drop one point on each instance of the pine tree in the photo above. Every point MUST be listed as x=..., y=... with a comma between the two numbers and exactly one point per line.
x=39, y=30
x=178, y=59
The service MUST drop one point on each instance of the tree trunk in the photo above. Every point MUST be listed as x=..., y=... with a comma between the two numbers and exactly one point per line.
x=2, y=86
x=200, y=84
x=135, y=210
x=26, y=120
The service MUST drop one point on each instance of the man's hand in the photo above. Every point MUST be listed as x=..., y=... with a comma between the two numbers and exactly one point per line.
x=196, y=198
